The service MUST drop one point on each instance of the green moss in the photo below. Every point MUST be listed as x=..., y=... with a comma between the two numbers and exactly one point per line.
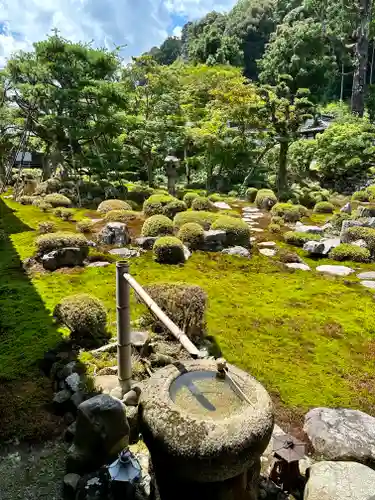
x=202, y=204
x=289, y=212
x=274, y=228
x=324, y=207
x=169, y=250
x=251, y=194
x=215, y=197
x=265, y=199
x=192, y=235
x=204, y=219
x=174, y=207
x=338, y=219
x=299, y=239
x=360, y=196
x=156, y=203
x=362, y=233
x=110, y=205
x=238, y=232
x=58, y=200
x=353, y=253
x=189, y=198
x=122, y=215
x=157, y=225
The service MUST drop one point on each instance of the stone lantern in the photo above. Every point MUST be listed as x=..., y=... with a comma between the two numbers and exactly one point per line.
x=171, y=165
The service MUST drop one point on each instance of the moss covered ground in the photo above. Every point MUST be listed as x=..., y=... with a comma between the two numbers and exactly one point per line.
x=309, y=338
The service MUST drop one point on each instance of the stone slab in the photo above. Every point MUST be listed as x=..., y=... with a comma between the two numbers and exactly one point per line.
x=335, y=270
x=368, y=284
x=268, y=252
x=297, y=265
x=368, y=275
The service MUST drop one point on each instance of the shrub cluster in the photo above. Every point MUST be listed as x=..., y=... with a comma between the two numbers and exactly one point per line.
x=46, y=227
x=64, y=213
x=324, y=207
x=289, y=212
x=57, y=200
x=155, y=204
x=192, y=235
x=84, y=226
x=44, y=206
x=138, y=194
x=215, y=197
x=360, y=196
x=265, y=199
x=362, y=233
x=276, y=219
x=338, y=219
x=189, y=198
x=184, y=304
x=251, y=194
x=121, y=215
x=109, y=205
x=174, y=207
x=237, y=231
x=274, y=228
x=169, y=250
x=157, y=225
x=299, y=239
x=49, y=242
x=204, y=219
x=230, y=213
x=354, y=253
x=202, y=204
x=26, y=200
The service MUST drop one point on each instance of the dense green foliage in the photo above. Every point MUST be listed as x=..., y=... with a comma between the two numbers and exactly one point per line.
x=354, y=253
x=204, y=219
x=157, y=225
x=201, y=204
x=237, y=231
x=288, y=212
x=324, y=207
x=169, y=250
x=299, y=239
x=191, y=234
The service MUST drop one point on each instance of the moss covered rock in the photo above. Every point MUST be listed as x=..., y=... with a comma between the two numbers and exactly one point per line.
x=189, y=198
x=202, y=204
x=174, y=207
x=192, y=235
x=49, y=242
x=57, y=200
x=121, y=215
x=299, y=239
x=169, y=250
x=354, y=253
x=204, y=219
x=362, y=233
x=265, y=199
x=251, y=194
x=324, y=207
x=157, y=225
x=155, y=204
x=110, y=205
x=289, y=212
x=237, y=231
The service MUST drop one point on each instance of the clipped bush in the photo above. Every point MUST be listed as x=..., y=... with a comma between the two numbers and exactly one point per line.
x=46, y=227
x=174, y=207
x=251, y=194
x=86, y=318
x=362, y=233
x=345, y=251
x=110, y=205
x=192, y=235
x=215, y=197
x=276, y=219
x=204, y=219
x=155, y=204
x=265, y=199
x=49, y=242
x=184, y=304
x=44, y=206
x=202, y=204
x=121, y=215
x=299, y=239
x=238, y=232
x=360, y=196
x=289, y=212
x=324, y=207
x=84, y=226
x=371, y=193
x=26, y=200
x=169, y=250
x=157, y=225
x=58, y=200
x=233, y=194
x=66, y=213
x=189, y=198
x=274, y=228
x=338, y=219
x=138, y=194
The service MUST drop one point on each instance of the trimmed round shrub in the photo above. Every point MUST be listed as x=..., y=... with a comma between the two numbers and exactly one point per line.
x=174, y=207
x=85, y=226
x=155, y=204
x=362, y=233
x=251, y=194
x=185, y=305
x=289, y=212
x=345, y=251
x=169, y=250
x=276, y=219
x=204, y=219
x=46, y=227
x=360, y=196
x=45, y=207
x=66, y=213
x=109, y=205
x=265, y=199
x=215, y=197
x=189, y=198
x=238, y=232
x=274, y=228
x=324, y=207
x=49, y=242
x=233, y=194
x=157, y=225
x=85, y=316
x=299, y=239
x=138, y=194
x=58, y=200
x=202, y=204
x=192, y=235
x=121, y=215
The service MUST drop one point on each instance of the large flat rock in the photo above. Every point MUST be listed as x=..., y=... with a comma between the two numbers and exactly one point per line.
x=369, y=275
x=335, y=270
x=298, y=265
x=222, y=205
x=368, y=284
x=342, y=434
x=340, y=481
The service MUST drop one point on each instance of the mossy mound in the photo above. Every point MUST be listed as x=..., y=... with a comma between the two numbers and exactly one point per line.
x=192, y=235
x=58, y=200
x=237, y=231
x=289, y=212
x=121, y=215
x=251, y=194
x=155, y=204
x=189, y=198
x=85, y=226
x=204, y=219
x=169, y=250
x=265, y=199
x=110, y=205
x=48, y=242
x=299, y=239
x=324, y=207
x=157, y=225
x=174, y=207
x=202, y=204
x=354, y=253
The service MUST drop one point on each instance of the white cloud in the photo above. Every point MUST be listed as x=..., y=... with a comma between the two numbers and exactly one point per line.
x=177, y=31
x=137, y=25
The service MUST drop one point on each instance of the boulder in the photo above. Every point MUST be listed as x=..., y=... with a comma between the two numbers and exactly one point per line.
x=99, y=264
x=347, y=208
x=298, y=265
x=322, y=247
x=73, y=381
x=342, y=434
x=146, y=242
x=221, y=205
x=368, y=211
x=61, y=401
x=214, y=240
x=64, y=257
x=70, y=484
x=268, y=252
x=114, y=233
x=340, y=481
x=125, y=253
x=237, y=251
x=301, y=228
x=335, y=270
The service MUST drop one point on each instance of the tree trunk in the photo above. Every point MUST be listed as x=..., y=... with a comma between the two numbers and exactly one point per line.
x=342, y=83
x=150, y=173
x=187, y=166
x=372, y=61
x=282, y=174
x=361, y=58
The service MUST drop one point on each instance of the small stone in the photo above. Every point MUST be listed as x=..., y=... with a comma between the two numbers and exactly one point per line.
x=252, y=239
x=69, y=369
x=222, y=205
x=250, y=209
x=146, y=242
x=256, y=230
x=268, y=252
x=301, y=228
x=126, y=253
x=346, y=209
x=61, y=397
x=360, y=243
x=297, y=265
x=99, y=264
x=335, y=270
x=138, y=339
x=111, y=347
x=369, y=275
x=187, y=253
x=368, y=284
x=267, y=244
x=238, y=251
x=95, y=221
x=70, y=484
x=73, y=382
x=131, y=398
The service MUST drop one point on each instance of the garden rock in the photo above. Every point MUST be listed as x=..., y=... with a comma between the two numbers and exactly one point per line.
x=267, y=244
x=187, y=253
x=222, y=205
x=335, y=270
x=94, y=486
x=360, y=243
x=342, y=434
x=138, y=339
x=346, y=224
x=132, y=416
x=368, y=284
x=126, y=253
x=70, y=484
x=64, y=257
x=250, y=209
x=115, y=233
x=366, y=211
x=146, y=242
x=237, y=251
x=340, y=481
x=369, y=275
x=214, y=240
x=301, y=228
x=346, y=209
x=322, y=247
x=99, y=264
x=61, y=401
x=268, y=252
x=256, y=230
x=297, y=265
x=131, y=398
x=327, y=228
x=73, y=381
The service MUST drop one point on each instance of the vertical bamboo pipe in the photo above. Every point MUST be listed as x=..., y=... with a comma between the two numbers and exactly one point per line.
x=123, y=327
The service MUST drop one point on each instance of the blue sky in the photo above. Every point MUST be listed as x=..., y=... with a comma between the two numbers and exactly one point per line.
x=137, y=25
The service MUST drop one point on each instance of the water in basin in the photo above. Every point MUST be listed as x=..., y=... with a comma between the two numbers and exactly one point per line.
x=203, y=394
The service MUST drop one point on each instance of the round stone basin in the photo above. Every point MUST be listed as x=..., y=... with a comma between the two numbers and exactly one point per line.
x=204, y=394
